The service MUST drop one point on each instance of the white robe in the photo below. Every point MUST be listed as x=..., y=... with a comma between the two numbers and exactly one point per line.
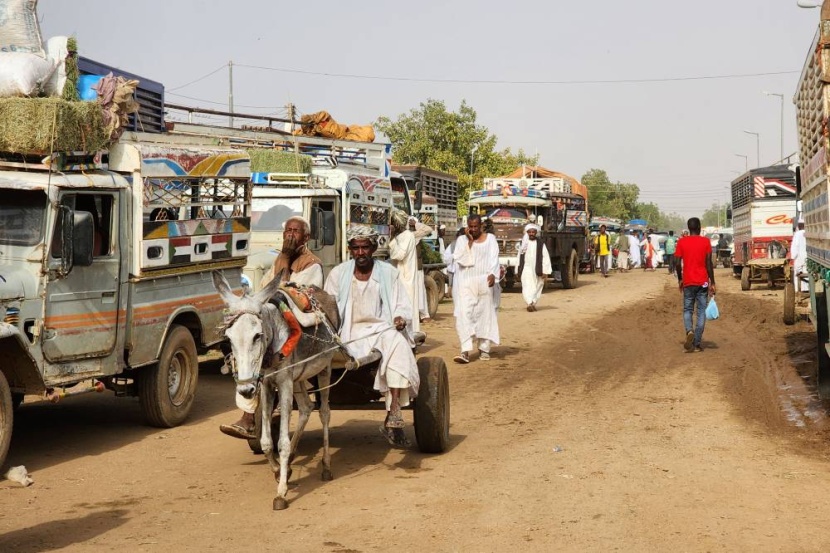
x=634, y=250
x=451, y=267
x=798, y=252
x=533, y=284
x=475, y=310
x=364, y=323
x=405, y=259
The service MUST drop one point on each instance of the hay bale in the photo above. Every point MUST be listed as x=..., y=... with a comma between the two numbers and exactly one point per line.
x=42, y=125
x=276, y=161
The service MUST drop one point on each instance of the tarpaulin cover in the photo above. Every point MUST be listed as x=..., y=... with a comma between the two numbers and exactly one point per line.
x=322, y=124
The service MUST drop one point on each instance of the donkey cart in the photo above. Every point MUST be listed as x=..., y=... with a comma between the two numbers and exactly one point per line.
x=353, y=389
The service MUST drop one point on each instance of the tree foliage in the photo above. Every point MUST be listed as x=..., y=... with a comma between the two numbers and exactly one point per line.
x=450, y=141
x=715, y=216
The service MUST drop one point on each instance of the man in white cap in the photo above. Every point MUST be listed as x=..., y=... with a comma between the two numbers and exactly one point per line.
x=798, y=253
x=403, y=256
x=534, y=266
x=374, y=313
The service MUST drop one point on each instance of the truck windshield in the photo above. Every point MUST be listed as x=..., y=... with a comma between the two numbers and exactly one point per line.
x=270, y=214
x=21, y=217
x=518, y=215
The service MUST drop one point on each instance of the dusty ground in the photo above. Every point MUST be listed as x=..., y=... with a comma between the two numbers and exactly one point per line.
x=590, y=429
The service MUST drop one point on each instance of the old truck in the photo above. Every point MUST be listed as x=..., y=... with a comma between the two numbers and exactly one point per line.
x=105, y=275
x=812, y=104
x=763, y=208
x=553, y=200
x=437, y=188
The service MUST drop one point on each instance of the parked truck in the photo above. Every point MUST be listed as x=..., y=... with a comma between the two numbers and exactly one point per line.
x=556, y=202
x=763, y=208
x=105, y=275
x=812, y=103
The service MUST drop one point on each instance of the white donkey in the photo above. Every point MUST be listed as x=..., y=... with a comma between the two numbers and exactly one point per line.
x=257, y=332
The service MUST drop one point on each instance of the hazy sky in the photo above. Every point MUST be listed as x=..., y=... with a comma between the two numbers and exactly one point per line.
x=676, y=139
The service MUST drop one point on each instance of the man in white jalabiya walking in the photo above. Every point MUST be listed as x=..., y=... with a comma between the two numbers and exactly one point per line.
x=634, y=249
x=477, y=265
x=404, y=257
x=374, y=311
x=798, y=252
x=534, y=267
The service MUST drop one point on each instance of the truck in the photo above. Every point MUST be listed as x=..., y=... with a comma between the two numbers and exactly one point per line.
x=105, y=280
x=812, y=104
x=438, y=188
x=763, y=210
x=554, y=201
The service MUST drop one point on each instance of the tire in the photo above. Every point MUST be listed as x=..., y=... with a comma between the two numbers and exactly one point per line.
x=745, y=284
x=432, y=406
x=509, y=280
x=789, y=303
x=570, y=271
x=17, y=399
x=822, y=334
x=432, y=296
x=6, y=418
x=166, y=390
x=441, y=281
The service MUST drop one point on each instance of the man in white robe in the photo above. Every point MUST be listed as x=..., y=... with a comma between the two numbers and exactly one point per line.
x=798, y=252
x=534, y=267
x=421, y=231
x=634, y=249
x=374, y=311
x=301, y=267
x=477, y=268
x=404, y=258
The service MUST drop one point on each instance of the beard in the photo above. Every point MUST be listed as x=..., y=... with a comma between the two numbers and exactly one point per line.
x=290, y=246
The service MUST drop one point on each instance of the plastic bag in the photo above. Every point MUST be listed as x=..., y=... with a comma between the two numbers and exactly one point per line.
x=23, y=74
x=712, y=312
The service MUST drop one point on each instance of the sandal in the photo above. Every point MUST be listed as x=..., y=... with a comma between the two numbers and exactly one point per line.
x=394, y=419
x=236, y=430
x=463, y=358
x=395, y=437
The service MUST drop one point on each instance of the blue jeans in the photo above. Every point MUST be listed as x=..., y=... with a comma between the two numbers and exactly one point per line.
x=695, y=295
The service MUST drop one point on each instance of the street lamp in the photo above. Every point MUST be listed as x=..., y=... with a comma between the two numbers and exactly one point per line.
x=757, y=146
x=781, y=128
x=746, y=161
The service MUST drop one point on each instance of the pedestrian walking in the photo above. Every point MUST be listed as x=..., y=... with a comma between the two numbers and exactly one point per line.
x=534, y=267
x=671, y=246
x=696, y=277
x=602, y=245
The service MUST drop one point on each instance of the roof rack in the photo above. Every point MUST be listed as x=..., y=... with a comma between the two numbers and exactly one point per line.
x=288, y=180
x=57, y=162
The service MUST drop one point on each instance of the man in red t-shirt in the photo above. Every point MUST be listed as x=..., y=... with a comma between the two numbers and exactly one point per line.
x=697, y=281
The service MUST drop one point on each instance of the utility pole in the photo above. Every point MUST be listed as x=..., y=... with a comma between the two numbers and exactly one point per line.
x=230, y=93
x=291, y=114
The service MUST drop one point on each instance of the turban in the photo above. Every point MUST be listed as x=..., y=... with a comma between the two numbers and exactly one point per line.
x=533, y=226
x=362, y=232
x=399, y=218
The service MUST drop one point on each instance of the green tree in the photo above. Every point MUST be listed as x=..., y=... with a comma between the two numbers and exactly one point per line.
x=715, y=216
x=436, y=138
x=609, y=199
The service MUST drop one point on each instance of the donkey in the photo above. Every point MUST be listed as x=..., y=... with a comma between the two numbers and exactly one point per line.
x=258, y=333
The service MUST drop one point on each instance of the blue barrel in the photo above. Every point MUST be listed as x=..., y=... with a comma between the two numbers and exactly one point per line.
x=85, y=84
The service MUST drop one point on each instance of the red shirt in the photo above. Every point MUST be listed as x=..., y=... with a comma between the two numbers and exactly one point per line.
x=694, y=250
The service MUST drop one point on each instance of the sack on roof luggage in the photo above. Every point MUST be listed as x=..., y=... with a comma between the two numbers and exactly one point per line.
x=19, y=27
x=23, y=74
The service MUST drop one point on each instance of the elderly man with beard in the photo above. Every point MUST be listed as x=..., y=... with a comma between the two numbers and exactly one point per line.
x=294, y=264
x=534, y=266
x=477, y=259
x=374, y=310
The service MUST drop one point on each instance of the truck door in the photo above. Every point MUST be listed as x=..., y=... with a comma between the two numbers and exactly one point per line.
x=82, y=307
x=324, y=233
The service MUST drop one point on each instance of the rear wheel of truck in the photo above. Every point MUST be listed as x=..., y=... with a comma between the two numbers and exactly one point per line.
x=432, y=296
x=6, y=418
x=166, y=390
x=745, y=284
x=570, y=271
x=822, y=334
x=441, y=280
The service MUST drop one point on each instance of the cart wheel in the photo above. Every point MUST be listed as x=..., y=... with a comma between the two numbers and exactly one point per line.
x=441, y=280
x=432, y=296
x=432, y=406
x=789, y=303
x=570, y=270
x=6, y=418
x=745, y=284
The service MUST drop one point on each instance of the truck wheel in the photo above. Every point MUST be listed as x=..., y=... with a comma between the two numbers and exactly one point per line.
x=509, y=281
x=789, y=303
x=432, y=296
x=440, y=280
x=166, y=390
x=822, y=333
x=6, y=418
x=432, y=406
x=570, y=271
x=17, y=399
x=745, y=284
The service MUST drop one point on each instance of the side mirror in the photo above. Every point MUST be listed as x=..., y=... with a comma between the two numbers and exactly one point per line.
x=728, y=213
x=83, y=238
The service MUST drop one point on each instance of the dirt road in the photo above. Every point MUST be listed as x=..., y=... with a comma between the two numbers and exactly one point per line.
x=590, y=429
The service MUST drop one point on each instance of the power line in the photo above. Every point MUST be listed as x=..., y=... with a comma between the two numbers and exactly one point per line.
x=275, y=108
x=500, y=81
x=203, y=77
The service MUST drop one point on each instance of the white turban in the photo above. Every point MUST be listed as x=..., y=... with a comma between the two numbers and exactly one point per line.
x=358, y=232
x=533, y=226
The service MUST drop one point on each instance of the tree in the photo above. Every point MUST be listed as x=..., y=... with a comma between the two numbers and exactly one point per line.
x=433, y=137
x=715, y=216
x=618, y=200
